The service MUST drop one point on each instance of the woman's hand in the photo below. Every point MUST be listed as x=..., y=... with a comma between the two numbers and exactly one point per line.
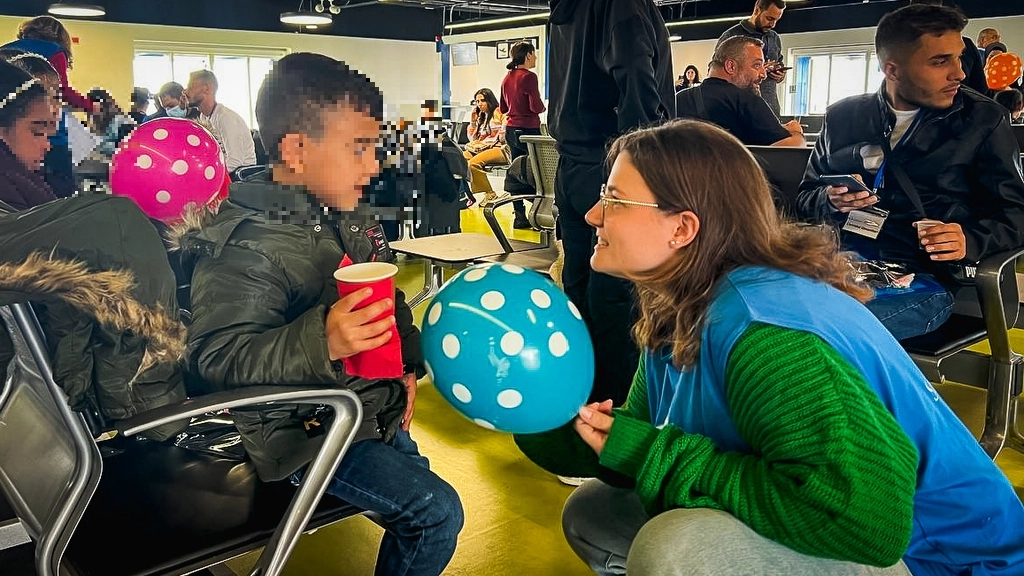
x=409, y=380
x=594, y=423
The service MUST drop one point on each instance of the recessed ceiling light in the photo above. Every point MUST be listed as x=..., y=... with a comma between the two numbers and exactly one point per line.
x=74, y=9
x=305, y=18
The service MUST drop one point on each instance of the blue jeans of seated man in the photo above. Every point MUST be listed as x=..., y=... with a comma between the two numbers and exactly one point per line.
x=914, y=311
x=421, y=512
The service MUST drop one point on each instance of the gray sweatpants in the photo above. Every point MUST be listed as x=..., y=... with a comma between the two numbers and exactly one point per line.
x=608, y=528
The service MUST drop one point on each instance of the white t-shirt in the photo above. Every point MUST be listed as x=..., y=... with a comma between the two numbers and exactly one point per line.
x=234, y=137
x=872, y=153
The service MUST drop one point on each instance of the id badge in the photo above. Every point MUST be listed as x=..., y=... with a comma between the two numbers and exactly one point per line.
x=867, y=222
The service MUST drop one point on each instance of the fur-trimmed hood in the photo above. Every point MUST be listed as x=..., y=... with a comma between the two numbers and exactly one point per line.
x=104, y=295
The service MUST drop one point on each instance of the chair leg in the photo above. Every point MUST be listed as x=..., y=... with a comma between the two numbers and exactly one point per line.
x=1000, y=410
x=433, y=278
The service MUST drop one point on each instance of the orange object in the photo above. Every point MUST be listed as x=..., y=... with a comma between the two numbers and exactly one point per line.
x=1002, y=70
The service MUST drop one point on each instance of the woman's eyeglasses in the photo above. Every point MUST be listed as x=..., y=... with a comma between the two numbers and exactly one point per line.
x=607, y=199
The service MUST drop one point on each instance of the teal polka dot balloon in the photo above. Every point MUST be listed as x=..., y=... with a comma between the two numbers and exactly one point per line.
x=508, y=350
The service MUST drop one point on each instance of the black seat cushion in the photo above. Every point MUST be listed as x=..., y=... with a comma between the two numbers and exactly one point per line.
x=160, y=508
x=956, y=333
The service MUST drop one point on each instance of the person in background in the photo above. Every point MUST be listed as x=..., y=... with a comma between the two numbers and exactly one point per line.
x=761, y=25
x=988, y=36
x=993, y=49
x=689, y=79
x=1013, y=101
x=728, y=97
x=27, y=120
x=774, y=426
x=110, y=123
x=57, y=165
x=938, y=165
x=613, y=64
x=521, y=102
x=140, y=103
x=486, y=136
x=46, y=36
x=230, y=130
x=170, y=101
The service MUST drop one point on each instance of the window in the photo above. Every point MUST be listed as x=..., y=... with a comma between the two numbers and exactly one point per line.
x=823, y=76
x=240, y=71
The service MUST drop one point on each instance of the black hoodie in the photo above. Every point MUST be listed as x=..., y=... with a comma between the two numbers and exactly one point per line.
x=610, y=67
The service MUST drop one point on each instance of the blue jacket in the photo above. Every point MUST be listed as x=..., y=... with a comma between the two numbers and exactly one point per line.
x=967, y=518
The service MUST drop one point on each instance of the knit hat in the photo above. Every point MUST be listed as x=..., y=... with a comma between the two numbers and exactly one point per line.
x=994, y=46
x=13, y=82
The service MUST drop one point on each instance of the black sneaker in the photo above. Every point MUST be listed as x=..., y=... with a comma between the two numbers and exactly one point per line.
x=521, y=223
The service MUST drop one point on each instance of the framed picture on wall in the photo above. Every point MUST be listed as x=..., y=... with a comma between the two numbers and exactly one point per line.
x=502, y=48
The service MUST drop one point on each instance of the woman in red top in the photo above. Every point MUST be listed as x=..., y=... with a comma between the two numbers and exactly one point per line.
x=46, y=36
x=521, y=102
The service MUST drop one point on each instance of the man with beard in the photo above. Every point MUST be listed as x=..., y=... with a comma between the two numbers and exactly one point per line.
x=728, y=97
x=761, y=26
x=940, y=164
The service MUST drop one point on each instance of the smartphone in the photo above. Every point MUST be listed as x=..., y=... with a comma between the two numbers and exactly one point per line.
x=847, y=180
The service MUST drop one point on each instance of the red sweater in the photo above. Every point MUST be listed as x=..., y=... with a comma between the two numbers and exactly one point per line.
x=520, y=99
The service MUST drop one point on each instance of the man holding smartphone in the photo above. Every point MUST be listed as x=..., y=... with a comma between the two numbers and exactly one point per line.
x=761, y=25
x=941, y=173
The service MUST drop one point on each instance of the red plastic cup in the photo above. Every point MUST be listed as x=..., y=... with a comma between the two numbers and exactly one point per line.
x=384, y=361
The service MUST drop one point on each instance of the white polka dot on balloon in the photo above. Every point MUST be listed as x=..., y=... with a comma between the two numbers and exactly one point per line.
x=512, y=343
x=145, y=162
x=558, y=344
x=210, y=172
x=461, y=393
x=512, y=269
x=160, y=134
x=179, y=167
x=163, y=196
x=475, y=274
x=193, y=140
x=492, y=300
x=434, y=314
x=510, y=398
x=451, y=346
x=575, y=311
x=483, y=423
x=540, y=298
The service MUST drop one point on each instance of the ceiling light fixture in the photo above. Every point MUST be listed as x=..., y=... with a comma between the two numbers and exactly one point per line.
x=705, y=21
x=330, y=7
x=509, y=19
x=675, y=38
x=76, y=10
x=302, y=17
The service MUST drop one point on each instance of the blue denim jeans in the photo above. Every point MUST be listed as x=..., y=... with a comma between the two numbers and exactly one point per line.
x=914, y=311
x=421, y=513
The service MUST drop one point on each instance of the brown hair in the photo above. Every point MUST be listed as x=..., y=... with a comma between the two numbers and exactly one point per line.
x=46, y=28
x=518, y=53
x=693, y=166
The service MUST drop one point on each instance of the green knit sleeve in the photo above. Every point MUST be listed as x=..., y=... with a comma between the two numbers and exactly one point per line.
x=830, y=474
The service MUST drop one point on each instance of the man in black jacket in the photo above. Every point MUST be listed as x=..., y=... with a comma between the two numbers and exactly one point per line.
x=611, y=70
x=266, y=309
x=939, y=159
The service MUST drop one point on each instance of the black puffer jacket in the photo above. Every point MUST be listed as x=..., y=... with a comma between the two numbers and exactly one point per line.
x=963, y=160
x=261, y=289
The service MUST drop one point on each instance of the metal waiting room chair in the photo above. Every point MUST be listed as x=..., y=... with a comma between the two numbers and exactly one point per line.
x=985, y=311
x=145, y=507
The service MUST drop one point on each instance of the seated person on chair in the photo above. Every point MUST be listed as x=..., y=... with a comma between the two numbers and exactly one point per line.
x=170, y=102
x=266, y=309
x=110, y=123
x=486, y=138
x=27, y=119
x=772, y=421
x=939, y=163
x=729, y=97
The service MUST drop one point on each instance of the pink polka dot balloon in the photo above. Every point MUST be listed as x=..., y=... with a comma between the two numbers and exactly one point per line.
x=167, y=164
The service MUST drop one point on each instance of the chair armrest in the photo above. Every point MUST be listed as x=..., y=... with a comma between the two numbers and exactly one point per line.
x=999, y=302
x=348, y=413
x=492, y=221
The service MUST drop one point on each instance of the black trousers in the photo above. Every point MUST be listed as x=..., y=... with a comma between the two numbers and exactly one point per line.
x=518, y=149
x=606, y=303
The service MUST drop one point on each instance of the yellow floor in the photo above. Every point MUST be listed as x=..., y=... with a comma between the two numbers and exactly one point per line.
x=512, y=507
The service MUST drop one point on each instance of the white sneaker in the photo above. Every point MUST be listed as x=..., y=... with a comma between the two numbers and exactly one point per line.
x=574, y=480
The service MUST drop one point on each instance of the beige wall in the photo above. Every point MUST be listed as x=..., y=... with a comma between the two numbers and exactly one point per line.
x=407, y=72
x=490, y=71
